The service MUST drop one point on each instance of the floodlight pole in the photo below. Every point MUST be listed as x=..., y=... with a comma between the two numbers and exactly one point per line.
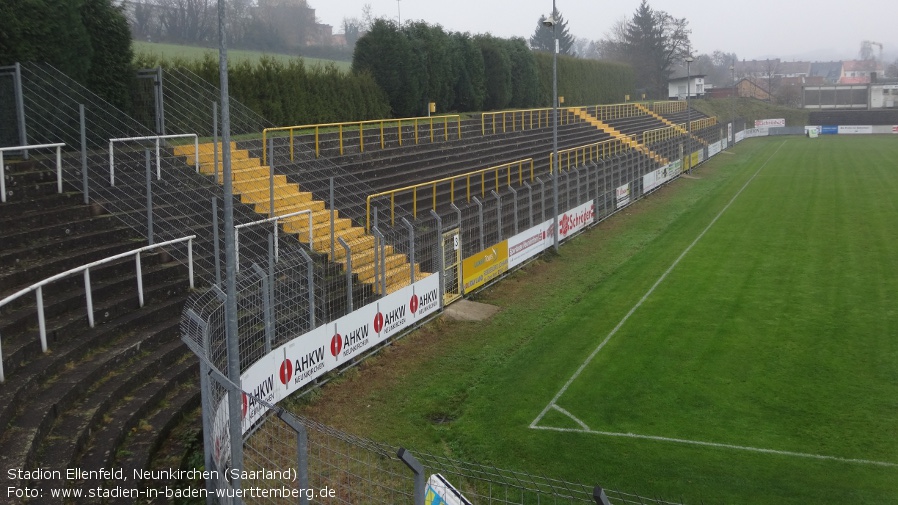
x=689, y=59
x=555, y=160
x=235, y=396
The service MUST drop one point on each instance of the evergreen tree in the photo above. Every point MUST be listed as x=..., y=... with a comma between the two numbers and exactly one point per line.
x=653, y=41
x=111, y=71
x=386, y=53
x=543, y=39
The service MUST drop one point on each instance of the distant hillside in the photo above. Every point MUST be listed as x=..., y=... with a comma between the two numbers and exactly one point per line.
x=750, y=109
x=175, y=51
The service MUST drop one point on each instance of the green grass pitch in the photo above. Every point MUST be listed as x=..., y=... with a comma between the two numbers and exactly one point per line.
x=743, y=335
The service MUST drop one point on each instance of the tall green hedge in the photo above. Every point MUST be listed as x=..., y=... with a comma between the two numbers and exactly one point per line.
x=584, y=82
x=292, y=93
x=419, y=63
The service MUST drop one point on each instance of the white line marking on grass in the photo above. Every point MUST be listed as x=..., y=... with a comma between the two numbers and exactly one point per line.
x=723, y=446
x=565, y=412
x=649, y=292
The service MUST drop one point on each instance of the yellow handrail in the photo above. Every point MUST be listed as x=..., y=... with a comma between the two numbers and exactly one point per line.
x=659, y=134
x=361, y=127
x=668, y=107
x=451, y=180
x=699, y=124
x=524, y=119
x=594, y=152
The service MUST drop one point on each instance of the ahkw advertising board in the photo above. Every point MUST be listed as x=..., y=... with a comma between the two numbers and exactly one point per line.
x=302, y=360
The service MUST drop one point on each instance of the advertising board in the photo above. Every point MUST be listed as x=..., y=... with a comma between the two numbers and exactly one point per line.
x=622, y=196
x=770, y=123
x=485, y=266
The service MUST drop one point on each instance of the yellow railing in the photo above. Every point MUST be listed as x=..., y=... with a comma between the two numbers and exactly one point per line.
x=659, y=134
x=668, y=107
x=583, y=154
x=504, y=121
x=699, y=124
x=466, y=178
x=383, y=124
x=615, y=111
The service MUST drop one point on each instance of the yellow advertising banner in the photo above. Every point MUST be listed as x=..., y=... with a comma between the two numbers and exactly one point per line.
x=485, y=266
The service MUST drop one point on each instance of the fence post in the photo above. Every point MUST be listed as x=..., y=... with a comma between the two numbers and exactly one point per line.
x=542, y=196
x=440, y=252
x=514, y=201
x=379, y=261
x=216, y=246
x=20, y=109
x=302, y=454
x=205, y=404
x=331, y=204
x=418, y=469
x=83, y=125
x=598, y=494
x=348, y=272
x=266, y=307
x=498, y=211
x=310, y=273
x=480, y=213
x=149, y=198
x=271, y=178
x=214, y=143
x=411, y=248
x=529, y=203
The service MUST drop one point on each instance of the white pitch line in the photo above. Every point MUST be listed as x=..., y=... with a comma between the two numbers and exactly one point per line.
x=565, y=412
x=723, y=446
x=649, y=292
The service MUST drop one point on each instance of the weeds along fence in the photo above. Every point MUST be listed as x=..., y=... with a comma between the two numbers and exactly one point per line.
x=286, y=348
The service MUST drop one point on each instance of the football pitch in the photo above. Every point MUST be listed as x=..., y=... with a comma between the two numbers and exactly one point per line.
x=732, y=339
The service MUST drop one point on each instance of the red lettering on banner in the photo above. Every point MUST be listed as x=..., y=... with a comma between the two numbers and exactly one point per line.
x=336, y=345
x=413, y=304
x=378, y=322
x=286, y=371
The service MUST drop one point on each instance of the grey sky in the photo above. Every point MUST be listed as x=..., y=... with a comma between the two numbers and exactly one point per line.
x=788, y=29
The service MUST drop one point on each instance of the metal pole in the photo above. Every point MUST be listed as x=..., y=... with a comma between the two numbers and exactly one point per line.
x=20, y=109
x=217, y=244
x=514, y=201
x=235, y=397
x=160, y=93
x=271, y=178
x=214, y=141
x=83, y=153
x=149, y=198
x=555, y=159
x=331, y=203
x=498, y=212
x=411, y=248
x=310, y=274
x=418, y=469
x=441, y=254
x=529, y=203
x=266, y=305
x=480, y=214
x=348, y=272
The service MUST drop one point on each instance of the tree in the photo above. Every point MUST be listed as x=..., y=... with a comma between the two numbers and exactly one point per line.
x=543, y=39
x=386, y=53
x=111, y=70
x=651, y=42
x=469, y=83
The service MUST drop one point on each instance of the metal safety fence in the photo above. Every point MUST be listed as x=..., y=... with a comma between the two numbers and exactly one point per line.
x=287, y=344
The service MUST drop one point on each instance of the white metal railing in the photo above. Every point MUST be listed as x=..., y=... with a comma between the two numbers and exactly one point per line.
x=275, y=220
x=28, y=148
x=38, y=287
x=157, y=138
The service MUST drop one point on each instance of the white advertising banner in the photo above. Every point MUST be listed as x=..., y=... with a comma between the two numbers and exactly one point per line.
x=576, y=219
x=755, y=132
x=770, y=123
x=528, y=244
x=622, y=196
x=855, y=130
x=305, y=358
x=714, y=149
x=740, y=136
x=656, y=178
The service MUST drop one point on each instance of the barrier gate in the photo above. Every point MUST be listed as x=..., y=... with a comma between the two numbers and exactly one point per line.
x=451, y=266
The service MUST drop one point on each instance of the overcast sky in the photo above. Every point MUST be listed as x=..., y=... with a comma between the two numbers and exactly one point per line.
x=788, y=29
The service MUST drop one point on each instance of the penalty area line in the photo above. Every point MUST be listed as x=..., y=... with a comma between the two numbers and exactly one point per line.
x=723, y=446
x=649, y=292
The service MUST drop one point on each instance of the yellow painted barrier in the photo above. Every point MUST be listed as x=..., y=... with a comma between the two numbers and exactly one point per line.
x=576, y=156
x=668, y=107
x=660, y=134
x=504, y=121
x=383, y=125
x=703, y=123
x=508, y=167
